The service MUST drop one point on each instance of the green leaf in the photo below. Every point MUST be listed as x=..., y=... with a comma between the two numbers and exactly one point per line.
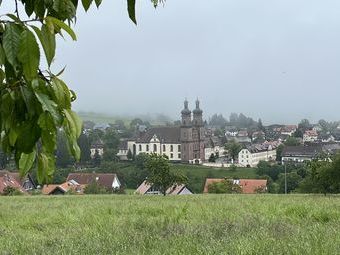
x=46, y=167
x=62, y=93
x=131, y=10
x=2, y=56
x=47, y=40
x=26, y=162
x=48, y=105
x=28, y=54
x=64, y=9
x=62, y=25
x=12, y=136
x=98, y=2
x=86, y=4
x=74, y=123
x=49, y=132
x=11, y=40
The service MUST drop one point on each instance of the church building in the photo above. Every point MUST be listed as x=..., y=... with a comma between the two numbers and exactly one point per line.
x=180, y=144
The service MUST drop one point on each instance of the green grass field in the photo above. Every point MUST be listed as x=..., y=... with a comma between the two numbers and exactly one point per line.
x=197, y=224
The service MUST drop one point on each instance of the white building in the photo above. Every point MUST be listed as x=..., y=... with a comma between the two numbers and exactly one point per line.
x=252, y=155
x=161, y=140
x=213, y=145
x=310, y=136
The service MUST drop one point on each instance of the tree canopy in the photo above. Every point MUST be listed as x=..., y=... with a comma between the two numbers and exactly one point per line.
x=35, y=102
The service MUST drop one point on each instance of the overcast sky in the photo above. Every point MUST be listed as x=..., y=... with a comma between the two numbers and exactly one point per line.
x=274, y=59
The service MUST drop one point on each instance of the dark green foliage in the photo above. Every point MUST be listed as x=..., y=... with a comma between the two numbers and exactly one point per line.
x=225, y=186
x=84, y=145
x=279, y=153
x=129, y=155
x=233, y=148
x=292, y=141
x=212, y=158
x=11, y=191
x=293, y=181
x=96, y=159
x=159, y=173
x=63, y=155
x=94, y=188
x=273, y=171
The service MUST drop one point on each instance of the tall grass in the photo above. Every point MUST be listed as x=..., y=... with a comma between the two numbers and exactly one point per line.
x=198, y=224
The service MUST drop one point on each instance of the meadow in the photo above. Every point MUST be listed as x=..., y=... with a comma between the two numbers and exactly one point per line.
x=197, y=224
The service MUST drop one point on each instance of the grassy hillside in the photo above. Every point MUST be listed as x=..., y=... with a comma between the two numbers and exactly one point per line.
x=101, y=118
x=198, y=174
x=198, y=224
x=195, y=173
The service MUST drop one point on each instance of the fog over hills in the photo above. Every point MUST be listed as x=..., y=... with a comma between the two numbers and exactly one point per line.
x=275, y=60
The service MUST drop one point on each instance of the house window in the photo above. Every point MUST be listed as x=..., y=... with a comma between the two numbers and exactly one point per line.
x=171, y=148
x=179, y=155
x=155, y=147
x=140, y=147
x=164, y=148
x=147, y=147
x=179, y=147
x=171, y=155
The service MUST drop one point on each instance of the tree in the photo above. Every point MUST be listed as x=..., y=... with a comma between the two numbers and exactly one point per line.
x=35, y=102
x=279, y=151
x=160, y=175
x=212, y=158
x=63, y=155
x=293, y=181
x=233, y=148
x=85, y=150
x=96, y=159
x=129, y=155
x=260, y=125
x=292, y=141
x=225, y=186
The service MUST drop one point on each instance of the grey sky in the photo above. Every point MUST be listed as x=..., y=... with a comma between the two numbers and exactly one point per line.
x=274, y=59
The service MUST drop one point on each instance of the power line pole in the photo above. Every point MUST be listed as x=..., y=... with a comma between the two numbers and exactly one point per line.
x=285, y=179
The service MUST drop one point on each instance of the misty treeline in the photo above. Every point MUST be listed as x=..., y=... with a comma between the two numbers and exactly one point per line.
x=236, y=120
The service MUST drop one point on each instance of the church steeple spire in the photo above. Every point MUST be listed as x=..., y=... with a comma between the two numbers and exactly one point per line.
x=186, y=114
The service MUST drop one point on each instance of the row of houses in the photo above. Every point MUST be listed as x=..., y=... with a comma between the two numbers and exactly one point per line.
x=304, y=153
x=77, y=182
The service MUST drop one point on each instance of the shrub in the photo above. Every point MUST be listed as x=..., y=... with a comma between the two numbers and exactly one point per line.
x=11, y=191
x=95, y=188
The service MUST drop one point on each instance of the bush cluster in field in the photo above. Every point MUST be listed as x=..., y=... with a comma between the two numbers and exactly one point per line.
x=199, y=224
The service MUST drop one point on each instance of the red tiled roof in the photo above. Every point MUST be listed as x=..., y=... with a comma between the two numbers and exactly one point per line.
x=248, y=186
x=65, y=187
x=174, y=190
x=7, y=179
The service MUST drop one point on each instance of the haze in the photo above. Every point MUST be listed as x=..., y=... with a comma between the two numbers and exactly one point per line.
x=277, y=60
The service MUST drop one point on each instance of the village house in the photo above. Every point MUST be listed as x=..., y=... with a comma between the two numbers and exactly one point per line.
x=180, y=144
x=288, y=130
x=14, y=179
x=310, y=136
x=107, y=180
x=8, y=180
x=123, y=150
x=98, y=147
x=300, y=154
x=253, y=154
x=61, y=189
x=148, y=189
x=248, y=186
x=213, y=145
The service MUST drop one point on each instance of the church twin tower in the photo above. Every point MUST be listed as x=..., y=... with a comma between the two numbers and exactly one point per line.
x=192, y=134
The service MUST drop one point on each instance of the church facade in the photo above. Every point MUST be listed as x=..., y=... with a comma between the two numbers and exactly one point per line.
x=180, y=144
